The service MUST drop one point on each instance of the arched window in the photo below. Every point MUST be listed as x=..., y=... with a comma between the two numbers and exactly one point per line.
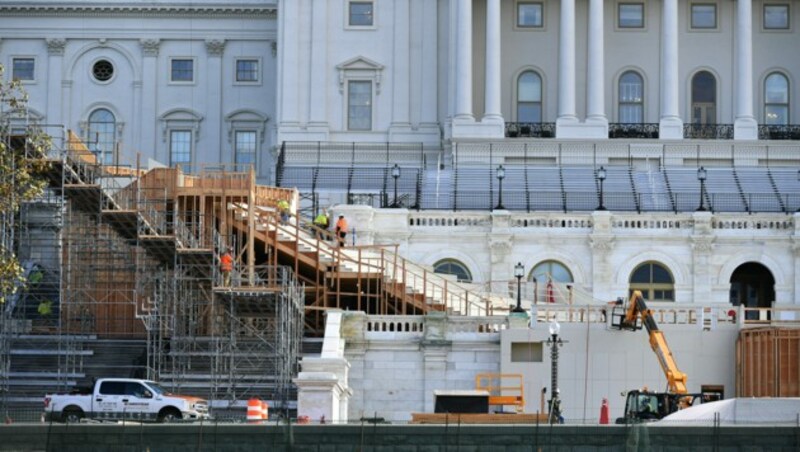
x=631, y=98
x=776, y=99
x=704, y=98
x=453, y=267
x=102, y=135
x=529, y=97
x=655, y=282
x=551, y=270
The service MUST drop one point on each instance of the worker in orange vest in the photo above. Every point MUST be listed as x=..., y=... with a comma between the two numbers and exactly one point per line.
x=341, y=229
x=226, y=267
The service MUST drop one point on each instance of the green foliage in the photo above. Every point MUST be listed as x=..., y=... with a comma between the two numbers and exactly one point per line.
x=23, y=166
x=45, y=308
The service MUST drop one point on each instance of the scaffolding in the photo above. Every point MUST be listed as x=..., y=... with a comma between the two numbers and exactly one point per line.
x=139, y=262
x=131, y=256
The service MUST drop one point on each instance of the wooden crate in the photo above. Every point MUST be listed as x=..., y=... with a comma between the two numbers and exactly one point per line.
x=768, y=362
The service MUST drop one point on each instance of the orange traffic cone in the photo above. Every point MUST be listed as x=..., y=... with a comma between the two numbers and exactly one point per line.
x=604, y=411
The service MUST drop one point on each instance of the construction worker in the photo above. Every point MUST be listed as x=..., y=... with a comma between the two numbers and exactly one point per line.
x=283, y=210
x=322, y=221
x=226, y=267
x=341, y=230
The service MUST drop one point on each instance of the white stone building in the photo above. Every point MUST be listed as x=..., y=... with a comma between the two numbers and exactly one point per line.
x=408, y=70
x=181, y=82
x=536, y=85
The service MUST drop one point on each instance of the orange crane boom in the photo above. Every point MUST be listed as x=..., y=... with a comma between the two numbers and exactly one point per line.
x=637, y=308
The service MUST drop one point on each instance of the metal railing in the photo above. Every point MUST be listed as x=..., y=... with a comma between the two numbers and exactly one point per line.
x=402, y=279
x=572, y=201
x=530, y=130
x=708, y=131
x=779, y=132
x=633, y=130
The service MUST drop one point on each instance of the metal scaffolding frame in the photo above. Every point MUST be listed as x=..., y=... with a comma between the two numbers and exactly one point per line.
x=136, y=260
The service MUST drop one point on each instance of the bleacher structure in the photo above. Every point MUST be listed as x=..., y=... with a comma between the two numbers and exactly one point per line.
x=138, y=263
x=547, y=178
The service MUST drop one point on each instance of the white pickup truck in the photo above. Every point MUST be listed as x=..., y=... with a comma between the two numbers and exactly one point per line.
x=124, y=398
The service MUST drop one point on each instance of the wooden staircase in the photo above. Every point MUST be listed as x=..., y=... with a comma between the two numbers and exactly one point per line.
x=177, y=217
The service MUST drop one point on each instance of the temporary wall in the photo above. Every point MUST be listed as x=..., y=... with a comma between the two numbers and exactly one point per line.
x=768, y=362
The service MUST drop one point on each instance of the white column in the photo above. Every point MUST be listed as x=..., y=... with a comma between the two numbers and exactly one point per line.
x=671, y=125
x=464, y=61
x=566, y=63
x=745, y=125
x=492, y=89
x=596, y=108
x=288, y=70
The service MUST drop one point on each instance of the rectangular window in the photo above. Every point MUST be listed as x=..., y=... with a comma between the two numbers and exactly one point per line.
x=704, y=16
x=182, y=70
x=180, y=149
x=776, y=17
x=526, y=352
x=359, y=105
x=246, y=147
x=530, y=15
x=22, y=69
x=246, y=70
x=361, y=14
x=631, y=15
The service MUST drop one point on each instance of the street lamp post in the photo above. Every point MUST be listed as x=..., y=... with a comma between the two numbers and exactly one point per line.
x=601, y=175
x=501, y=174
x=395, y=176
x=554, y=342
x=701, y=176
x=519, y=272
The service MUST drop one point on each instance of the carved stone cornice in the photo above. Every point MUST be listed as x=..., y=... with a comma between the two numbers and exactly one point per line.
x=150, y=46
x=33, y=8
x=55, y=46
x=215, y=46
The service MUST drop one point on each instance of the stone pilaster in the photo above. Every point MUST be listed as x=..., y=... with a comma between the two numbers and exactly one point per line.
x=150, y=48
x=214, y=151
x=435, y=348
x=702, y=247
x=601, y=241
x=55, y=62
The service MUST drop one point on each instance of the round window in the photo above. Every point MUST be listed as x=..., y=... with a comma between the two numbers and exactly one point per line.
x=103, y=70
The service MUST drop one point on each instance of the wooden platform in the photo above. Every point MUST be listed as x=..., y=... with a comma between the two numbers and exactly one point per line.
x=477, y=418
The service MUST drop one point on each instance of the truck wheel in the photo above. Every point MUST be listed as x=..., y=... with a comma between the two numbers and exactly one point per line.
x=169, y=415
x=72, y=415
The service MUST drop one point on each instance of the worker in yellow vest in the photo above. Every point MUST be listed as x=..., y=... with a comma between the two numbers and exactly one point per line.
x=283, y=211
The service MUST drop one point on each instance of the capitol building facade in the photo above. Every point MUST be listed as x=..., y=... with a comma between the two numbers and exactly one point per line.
x=649, y=145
